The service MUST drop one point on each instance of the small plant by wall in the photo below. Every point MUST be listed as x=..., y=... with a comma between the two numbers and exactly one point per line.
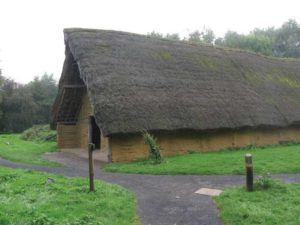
x=154, y=150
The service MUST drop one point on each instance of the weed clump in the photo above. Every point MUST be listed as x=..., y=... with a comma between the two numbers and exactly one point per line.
x=264, y=181
x=154, y=150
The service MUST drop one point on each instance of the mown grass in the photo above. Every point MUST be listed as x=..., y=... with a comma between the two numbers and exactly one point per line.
x=27, y=198
x=13, y=148
x=277, y=205
x=275, y=159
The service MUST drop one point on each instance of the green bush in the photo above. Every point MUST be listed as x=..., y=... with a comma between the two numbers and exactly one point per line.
x=154, y=151
x=264, y=181
x=39, y=133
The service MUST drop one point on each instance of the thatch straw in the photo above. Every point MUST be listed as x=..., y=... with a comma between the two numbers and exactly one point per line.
x=136, y=83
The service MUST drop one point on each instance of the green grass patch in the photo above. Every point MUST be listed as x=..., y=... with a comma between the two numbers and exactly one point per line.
x=277, y=205
x=13, y=148
x=27, y=198
x=275, y=159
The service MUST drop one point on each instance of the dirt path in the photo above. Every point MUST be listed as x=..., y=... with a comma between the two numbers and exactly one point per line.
x=162, y=200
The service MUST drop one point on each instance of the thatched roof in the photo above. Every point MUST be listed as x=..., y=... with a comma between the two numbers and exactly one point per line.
x=136, y=82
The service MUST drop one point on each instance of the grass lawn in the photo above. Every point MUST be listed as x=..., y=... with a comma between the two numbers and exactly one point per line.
x=13, y=148
x=278, y=205
x=27, y=198
x=276, y=159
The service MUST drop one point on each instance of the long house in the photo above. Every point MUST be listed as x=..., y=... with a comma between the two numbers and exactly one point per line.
x=191, y=97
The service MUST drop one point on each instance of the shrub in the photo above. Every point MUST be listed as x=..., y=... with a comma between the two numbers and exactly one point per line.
x=39, y=133
x=264, y=181
x=154, y=150
x=289, y=143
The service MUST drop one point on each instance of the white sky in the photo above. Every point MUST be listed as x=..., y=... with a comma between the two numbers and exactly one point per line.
x=31, y=31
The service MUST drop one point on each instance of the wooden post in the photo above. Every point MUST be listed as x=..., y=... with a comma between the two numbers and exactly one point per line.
x=91, y=166
x=249, y=172
x=90, y=134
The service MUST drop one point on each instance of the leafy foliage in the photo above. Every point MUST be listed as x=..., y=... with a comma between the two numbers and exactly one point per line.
x=154, y=151
x=39, y=133
x=264, y=181
x=1, y=96
x=43, y=90
x=169, y=36
x=278, y=42
x=287, y=40
x=154, y=34
x=174, y=36
x=18, y=108
x=257, y=42
x=205, y=36
x=21, y=106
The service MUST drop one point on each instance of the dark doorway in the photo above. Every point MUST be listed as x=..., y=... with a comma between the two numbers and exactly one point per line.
x=96, y=133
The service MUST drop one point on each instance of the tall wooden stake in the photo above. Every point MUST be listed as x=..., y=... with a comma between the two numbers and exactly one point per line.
x=91, y=166
x=249, y=172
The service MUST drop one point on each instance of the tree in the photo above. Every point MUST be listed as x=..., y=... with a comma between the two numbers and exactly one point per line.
x=155, y=35
x=287, y=41
x=256, y=41
x=174, y=36
x=170, y=36
x=43, y=90
x=231, y=39
x=280, y=42
x=1, y=99
x=219, y=41
x=6, y=89
x=205, y=36
x=21, y=106
x=19, y=109
x=195, y=36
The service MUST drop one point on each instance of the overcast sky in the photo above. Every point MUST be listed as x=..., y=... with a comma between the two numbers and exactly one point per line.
x=31, y=36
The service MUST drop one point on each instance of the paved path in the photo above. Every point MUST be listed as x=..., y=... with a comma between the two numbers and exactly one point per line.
x=162, y=200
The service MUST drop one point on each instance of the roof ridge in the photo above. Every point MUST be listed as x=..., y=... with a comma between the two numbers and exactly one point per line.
x=227, y=49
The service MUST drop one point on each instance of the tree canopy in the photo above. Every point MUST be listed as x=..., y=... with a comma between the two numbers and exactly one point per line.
x=278, y=42
x=21, y=106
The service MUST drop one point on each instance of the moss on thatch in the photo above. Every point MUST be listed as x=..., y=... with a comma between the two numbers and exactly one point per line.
x=136, y=82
